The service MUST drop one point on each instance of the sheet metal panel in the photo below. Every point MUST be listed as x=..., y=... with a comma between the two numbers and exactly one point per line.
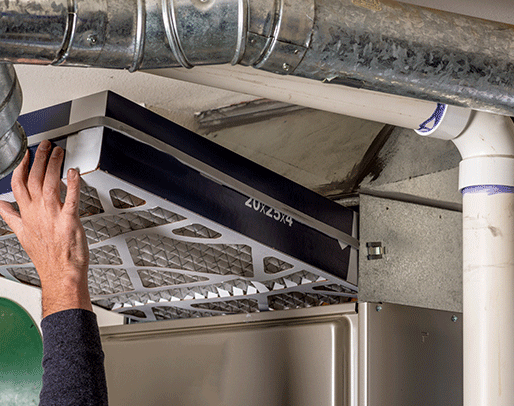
x=298, y=358
x=409, y=356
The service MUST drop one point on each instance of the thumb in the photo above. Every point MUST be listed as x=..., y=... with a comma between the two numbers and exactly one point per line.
x=10, y=216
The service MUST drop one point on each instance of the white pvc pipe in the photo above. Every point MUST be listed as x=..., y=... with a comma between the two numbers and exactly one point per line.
x=486, y=179
x=488, y=283
x=369, y=105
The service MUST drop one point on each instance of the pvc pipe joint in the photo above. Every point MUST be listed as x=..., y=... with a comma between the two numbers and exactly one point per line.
x=446, y=123
x=484, y=140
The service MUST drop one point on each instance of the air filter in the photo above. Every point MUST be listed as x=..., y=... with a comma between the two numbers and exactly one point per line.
x=180, y=227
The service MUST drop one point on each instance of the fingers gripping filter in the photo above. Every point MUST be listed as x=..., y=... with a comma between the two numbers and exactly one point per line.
x=13, y=142
x=179, y=227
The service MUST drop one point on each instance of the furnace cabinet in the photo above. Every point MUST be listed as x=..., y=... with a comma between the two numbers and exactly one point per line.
x=240, y=286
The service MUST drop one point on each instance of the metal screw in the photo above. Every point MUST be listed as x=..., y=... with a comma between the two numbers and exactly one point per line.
x=378, y=308
x=92, y=39
x=296, y=52
x=454, y=318
x=286, y=67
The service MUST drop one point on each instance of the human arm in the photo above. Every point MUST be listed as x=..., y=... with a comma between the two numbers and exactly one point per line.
x=52, y=235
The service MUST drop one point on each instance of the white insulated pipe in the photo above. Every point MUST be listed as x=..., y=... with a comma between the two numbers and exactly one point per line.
x=487, y=183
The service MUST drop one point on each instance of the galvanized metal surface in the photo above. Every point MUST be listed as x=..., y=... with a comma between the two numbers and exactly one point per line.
x=413, y=51
x=297, y=358
x=316, y=149
x=13, y=141
x=422, y=263
x=409, y=356
x=383, y=46
x=205, y=31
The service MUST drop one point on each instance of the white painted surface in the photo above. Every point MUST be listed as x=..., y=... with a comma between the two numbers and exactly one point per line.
x=26, y=296
x=497, y=10
x=45, y=86
x=488, y=299
x=312, y=148
x=365, y=104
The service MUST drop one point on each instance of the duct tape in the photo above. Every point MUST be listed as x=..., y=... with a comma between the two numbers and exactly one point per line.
x=489, y=189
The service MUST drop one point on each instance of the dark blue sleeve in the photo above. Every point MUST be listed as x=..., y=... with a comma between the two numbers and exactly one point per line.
x=73, y=360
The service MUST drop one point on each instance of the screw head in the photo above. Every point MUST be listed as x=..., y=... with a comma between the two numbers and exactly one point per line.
x=454, y=318
x=286, y=67
x=92, y=39
x=378, y=308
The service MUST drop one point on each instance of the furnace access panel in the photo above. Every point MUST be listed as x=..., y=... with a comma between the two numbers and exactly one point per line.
x=180, y=227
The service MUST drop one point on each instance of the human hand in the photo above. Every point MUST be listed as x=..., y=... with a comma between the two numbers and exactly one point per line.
x=51, y=232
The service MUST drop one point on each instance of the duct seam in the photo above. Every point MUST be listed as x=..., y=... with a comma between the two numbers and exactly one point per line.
x=170, y=25
x=69, y=34
x=241, y=31
x=140, y=36
x=270, y=45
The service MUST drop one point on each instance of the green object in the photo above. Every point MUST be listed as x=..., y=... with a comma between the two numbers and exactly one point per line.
x=21, y=352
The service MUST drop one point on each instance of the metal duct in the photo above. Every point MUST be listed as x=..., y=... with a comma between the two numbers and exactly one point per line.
x=13, y=142
x=390, y=47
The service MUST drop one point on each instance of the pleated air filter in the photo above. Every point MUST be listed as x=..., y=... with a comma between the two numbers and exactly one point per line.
x=180, y=227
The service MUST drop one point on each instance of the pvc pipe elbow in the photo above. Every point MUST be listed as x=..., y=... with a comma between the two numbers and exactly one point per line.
x=484, y=140
x=487, y=149
x=486, y=134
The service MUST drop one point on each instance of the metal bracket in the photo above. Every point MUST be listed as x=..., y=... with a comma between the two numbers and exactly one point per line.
x=375, y=250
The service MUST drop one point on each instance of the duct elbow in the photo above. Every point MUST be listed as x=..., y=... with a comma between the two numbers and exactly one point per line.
x=13, y=142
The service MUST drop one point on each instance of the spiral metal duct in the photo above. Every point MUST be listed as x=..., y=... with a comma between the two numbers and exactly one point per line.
x=13, y=142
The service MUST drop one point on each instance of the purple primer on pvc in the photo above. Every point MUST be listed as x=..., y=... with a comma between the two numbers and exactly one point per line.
x=489, y=189
x=433, y=120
